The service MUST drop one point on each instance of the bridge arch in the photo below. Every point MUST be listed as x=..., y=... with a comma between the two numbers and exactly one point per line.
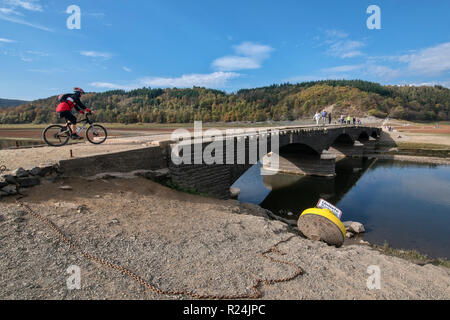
x=363, y=136
x=299, y=148
x=343, y=138
x=305, y=148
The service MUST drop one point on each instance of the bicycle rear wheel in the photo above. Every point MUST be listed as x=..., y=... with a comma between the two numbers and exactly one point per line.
x=96, y=134
x=56, y=135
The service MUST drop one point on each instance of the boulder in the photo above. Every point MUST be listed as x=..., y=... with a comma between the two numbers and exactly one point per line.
x=20, y=173
x=46, y=170
x=9, y=178
x=82, y=209
x=234, y=192
x=36, y=171
x=3, y=182
x=28, y=182
x=10, y=189
x=354, y=227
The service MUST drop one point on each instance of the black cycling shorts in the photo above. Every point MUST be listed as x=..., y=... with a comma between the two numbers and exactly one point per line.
x=68, y=116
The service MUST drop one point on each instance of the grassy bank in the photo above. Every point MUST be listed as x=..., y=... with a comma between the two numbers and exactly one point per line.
x=412, y=255
x=422, y=149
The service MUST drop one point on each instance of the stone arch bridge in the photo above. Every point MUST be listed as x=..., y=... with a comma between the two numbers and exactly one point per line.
x=299, y=150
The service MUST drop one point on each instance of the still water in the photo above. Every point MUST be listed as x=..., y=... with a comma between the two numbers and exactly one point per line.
x=405, y=204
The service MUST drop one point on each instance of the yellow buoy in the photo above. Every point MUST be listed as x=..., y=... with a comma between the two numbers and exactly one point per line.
x=322, y=225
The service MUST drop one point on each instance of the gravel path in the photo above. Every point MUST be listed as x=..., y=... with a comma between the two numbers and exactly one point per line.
x=178, y=241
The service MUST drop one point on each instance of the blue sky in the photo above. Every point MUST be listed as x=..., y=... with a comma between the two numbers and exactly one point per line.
x=226, y=45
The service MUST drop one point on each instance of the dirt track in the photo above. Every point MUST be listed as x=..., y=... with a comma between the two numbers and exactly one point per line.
x=179, y=241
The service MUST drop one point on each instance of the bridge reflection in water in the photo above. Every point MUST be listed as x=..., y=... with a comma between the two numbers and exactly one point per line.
x=405, y=204
x=283, y=193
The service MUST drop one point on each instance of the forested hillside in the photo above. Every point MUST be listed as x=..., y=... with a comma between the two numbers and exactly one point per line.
x=276, y=102
x=10, y=103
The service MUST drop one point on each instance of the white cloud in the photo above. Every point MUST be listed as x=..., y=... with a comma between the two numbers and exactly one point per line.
x=7, y=40
x=249, y=55
x=24, y=22
x=426, y=63
x=345, y=48
x=109, y=85
x=49, y=71
x=127, y=69
x=96, y=54
x=210, y=80
x=38, y=53
x=230, y=63
x=338, y=44
x=215, y=79
x=12, y=14
x=336, y=34
x=32, y=5
x=383, y=71
x=251, y=49
x=345, y=68
x=8, y=11
x=431, y=61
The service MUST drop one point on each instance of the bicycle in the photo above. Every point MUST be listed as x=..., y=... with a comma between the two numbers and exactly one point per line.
x=57, y=135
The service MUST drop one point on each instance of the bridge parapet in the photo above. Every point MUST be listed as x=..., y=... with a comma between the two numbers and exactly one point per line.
x=212, y=164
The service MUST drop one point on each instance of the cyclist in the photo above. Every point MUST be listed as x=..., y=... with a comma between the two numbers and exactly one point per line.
x=69, y=101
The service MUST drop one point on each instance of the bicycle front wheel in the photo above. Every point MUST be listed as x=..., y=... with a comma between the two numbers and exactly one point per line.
x=96, y=134
x=56, y=135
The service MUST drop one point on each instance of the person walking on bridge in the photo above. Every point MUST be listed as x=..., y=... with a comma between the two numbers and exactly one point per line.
x=324, y=116
x=317, y=117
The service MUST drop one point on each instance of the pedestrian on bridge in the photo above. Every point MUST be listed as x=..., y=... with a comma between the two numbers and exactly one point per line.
x=317, y=117
x=324, y=116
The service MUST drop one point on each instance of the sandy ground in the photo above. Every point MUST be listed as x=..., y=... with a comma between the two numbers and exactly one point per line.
x=422, y=134
x=177, y=241
x=439, y=139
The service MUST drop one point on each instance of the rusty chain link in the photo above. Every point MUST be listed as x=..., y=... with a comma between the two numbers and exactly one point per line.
x=256, y=292
x=2, y=168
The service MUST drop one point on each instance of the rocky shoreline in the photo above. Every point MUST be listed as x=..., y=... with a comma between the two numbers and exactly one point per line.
x=130, y=219
x=18, y=180
x=179, y=241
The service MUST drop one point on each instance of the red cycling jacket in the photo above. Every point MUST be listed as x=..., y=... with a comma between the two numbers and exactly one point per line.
x=70, y=101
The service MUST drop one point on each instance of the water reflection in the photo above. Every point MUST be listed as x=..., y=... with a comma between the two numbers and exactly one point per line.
x=298, y=193
x=405, y=204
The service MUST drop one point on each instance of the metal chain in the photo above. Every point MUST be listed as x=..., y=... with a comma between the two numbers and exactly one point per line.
x=2, y=168
x=256, y=291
